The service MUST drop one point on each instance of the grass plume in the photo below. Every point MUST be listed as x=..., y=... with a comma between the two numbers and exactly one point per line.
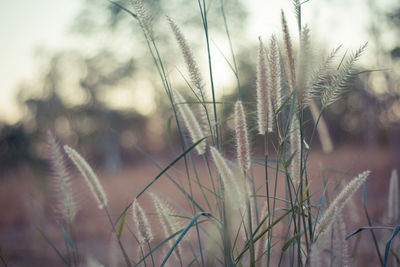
x=242, y=138
x=89, y=175
x=337, y=205
x=142, y=223
x=289, y=65
x=303, y=69
x=66, y=205
x=190, y=121
x=275, y=72
x=341, y=80
x=264, y=106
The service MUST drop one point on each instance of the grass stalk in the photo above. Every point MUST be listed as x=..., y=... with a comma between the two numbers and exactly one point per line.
x=203, y=11
x=373, y=234
x=266, y=154
x=115, y=233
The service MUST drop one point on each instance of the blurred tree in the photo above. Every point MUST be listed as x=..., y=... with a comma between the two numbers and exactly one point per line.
x=74, y=98
x=89, y=124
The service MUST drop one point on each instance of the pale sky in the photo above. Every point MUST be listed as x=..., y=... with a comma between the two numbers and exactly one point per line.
x=26, y=25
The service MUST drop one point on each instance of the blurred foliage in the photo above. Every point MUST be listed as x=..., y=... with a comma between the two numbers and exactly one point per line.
x=73, y=93
x=90, y=124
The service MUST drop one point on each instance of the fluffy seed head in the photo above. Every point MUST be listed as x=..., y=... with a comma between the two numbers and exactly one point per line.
x=338, y=204
x=321, y=75
x=264, y=107
x=190, y=122
x=275, y=72
x=295, y=149
x=315, y=259
x=303, y=70
x=66, y=206
x=233, y=191
x=323, y=131
x=143, y=17
x=341, y=249
x=242, y=141
x=341, y=79
x=222, y=166
x=89, y=176
x=168, y=222
x=289, y=67
x=194, y=72
x=190, y=61
x=142, y=224
x=393, y=200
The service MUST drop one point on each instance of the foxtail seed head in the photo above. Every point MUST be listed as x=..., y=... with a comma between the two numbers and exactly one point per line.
x=66, y=206
x=142, y=224
x=303, y=70
x=190, y=61
x=264, y=110
x=143, y=17
x=340, y=244
x=242, y=140
x=194, y=72
x=338, y=204
x=234, y=193
x=295, y=150
x=168, y=222
x=89, y=176
x=275, y=73
x=340, y=81
x=289, y=67
x=190, y=121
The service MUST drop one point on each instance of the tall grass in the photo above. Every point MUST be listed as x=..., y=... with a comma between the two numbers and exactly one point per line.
x=242, y=219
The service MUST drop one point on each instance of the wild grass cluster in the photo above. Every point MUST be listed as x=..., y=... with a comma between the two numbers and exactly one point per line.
x=232, y=217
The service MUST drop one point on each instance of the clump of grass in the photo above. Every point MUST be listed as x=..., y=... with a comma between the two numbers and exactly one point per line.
x=289, y=230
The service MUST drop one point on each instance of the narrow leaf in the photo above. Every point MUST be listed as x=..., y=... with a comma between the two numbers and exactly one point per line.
x=395, y=232
x=66, y=236
x=160, y=174
x=192, y=222
x=121, y=225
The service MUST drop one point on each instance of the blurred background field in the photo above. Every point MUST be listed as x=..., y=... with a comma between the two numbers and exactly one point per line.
x=87, y=76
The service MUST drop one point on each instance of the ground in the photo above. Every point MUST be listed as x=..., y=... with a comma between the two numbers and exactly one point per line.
x=25, y=204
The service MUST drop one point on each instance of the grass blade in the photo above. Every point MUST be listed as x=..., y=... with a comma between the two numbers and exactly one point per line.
x=160, y=174
x=121, y=226
x=53, y=246
x=192, y=222
x=395, y=232
x=66, y=236
x=368, y=228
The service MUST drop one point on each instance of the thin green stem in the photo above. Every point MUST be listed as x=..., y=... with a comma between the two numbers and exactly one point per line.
x=126, y=258
x=151, y=255
x=200, y=246
x=269, y=237
x=236, y=72
x=373, y=235
x=203, y=12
